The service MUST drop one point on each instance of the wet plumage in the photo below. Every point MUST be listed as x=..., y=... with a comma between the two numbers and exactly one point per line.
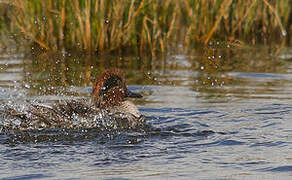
x=108, y=110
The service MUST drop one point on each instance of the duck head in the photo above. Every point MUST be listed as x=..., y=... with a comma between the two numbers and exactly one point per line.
x=110, y=89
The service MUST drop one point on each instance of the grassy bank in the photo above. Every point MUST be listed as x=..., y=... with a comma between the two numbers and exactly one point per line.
x=141, y=25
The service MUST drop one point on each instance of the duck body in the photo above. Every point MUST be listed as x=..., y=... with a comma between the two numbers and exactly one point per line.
x=107, y=110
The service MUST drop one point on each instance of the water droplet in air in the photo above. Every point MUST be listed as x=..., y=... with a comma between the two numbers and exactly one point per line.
x=27, y=86
x=202, y=67
x=284, y=32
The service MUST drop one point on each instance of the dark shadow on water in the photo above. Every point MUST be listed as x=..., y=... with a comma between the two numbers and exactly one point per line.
x=135, y=136
x=29, y=176
x=279, y=169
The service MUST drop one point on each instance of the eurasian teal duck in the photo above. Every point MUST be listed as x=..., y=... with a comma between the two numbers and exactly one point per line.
x=108, y=110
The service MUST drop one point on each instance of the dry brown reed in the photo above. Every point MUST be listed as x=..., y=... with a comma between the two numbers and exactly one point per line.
x=145, y=25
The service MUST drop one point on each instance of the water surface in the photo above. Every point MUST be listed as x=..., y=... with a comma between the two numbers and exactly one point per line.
x=213, y=114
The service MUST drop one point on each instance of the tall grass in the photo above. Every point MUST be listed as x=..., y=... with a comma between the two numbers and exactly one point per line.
x=143, y=25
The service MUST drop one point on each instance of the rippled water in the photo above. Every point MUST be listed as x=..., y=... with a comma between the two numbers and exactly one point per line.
x=212, y=115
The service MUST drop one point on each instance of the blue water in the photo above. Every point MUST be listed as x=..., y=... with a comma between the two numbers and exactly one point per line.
x=239, y=129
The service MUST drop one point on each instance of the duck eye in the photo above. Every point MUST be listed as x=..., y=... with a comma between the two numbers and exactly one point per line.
x=113, y=81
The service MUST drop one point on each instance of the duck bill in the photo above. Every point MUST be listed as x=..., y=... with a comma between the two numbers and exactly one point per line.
x=131, y=94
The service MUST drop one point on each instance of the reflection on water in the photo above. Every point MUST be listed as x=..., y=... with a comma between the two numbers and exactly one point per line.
x=216, y=113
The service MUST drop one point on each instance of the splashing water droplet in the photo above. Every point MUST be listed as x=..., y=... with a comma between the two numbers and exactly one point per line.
x=27, y=86
x=284, y=32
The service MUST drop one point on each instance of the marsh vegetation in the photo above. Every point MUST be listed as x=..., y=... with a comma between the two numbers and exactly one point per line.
x=141, y=27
